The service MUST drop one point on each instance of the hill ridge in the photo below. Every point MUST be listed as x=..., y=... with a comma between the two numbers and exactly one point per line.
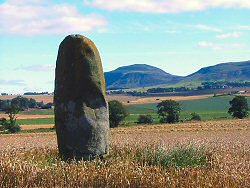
x=136, y=76
x=143, y=75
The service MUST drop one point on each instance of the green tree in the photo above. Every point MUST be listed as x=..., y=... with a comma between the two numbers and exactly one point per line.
x=2, y=124
x=21, y=102
x=117, y=113
x=32, y=103
x=4, y=104
x=239, y=107
x=169, y=111
x=145, y=119
x=11, y=125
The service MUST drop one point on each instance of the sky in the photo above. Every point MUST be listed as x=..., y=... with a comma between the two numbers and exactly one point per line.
x=178, y=36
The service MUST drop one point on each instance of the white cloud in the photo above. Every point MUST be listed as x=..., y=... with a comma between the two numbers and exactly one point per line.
x=38, y=68
x=244, y=27
x=211, y=45
x=207, y=28
x=13, y=82
x=220, y=47
x=35, y=17
x=229, y=35
x=166, y=6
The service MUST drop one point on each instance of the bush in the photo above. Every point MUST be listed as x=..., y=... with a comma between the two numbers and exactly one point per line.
x=9, y=126
x=2, y=123
x=195, y=117
x=171, y=118
x=117, y=113
x=12, y=127
x=47, y=106
x=145, y=119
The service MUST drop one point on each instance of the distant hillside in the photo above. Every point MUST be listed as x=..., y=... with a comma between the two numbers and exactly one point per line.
x=234, y=71
x=138, y=76
x=141, y=75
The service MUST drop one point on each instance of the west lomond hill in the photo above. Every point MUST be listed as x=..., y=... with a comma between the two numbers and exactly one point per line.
x=138, y=76
x=141, y=75
x=234, y=71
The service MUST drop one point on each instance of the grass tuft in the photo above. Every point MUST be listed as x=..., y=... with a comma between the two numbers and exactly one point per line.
x=179, y=157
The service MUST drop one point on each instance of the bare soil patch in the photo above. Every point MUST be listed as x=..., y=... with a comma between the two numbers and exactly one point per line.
x=23, y=116
x=49, y=98
x=31, y=127
x=176, y=98
x=122, y=98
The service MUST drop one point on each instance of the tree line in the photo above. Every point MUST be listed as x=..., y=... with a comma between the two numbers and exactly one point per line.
x=13, y=107
x=203, y=86
x=23, y=104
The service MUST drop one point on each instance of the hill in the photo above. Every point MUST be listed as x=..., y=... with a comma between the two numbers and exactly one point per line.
x=141, y=75
x=233, y=71
x=138, y=76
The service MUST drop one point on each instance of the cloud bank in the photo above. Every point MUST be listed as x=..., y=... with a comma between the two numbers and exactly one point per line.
x=229, y=35
x=13, y=82
x=26, y=17
x=165, y=6
x=220, y=47
x=37, y=68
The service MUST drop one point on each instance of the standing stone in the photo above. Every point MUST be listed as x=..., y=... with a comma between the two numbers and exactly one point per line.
x=81, y=109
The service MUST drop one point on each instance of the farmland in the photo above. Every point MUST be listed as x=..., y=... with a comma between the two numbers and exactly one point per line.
x=207, y=107
x=220, y=147
x=211, y=153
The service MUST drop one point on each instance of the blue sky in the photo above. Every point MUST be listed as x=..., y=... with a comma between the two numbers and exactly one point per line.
x=178, y=36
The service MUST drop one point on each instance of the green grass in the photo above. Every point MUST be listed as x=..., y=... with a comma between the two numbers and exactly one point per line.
x=36, y=121
x=179, y=157
x=210, y=108
x=39, y=112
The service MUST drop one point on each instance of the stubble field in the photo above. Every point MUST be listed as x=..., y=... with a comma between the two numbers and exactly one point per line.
x=198, y=154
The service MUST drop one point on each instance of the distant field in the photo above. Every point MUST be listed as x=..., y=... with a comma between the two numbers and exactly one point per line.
x=49, y=98
x=38, y=121
x=39, y=112
x=145, y=100
x=208, y=108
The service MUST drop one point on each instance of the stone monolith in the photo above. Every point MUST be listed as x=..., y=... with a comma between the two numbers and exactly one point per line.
x=81, y=109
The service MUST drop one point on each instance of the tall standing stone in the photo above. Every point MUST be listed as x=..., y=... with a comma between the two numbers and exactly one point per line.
x=81, y=109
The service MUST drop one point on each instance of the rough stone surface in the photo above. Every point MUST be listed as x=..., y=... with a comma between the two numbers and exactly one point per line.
x=81, y=109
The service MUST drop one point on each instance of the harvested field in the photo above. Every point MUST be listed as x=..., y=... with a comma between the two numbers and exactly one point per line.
x=23, y=116
x=145, y=134
x=32, y=127
x=122, y=98
x=246, y=95
x=224, y=146
x=146, y=100
x=49, y=98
